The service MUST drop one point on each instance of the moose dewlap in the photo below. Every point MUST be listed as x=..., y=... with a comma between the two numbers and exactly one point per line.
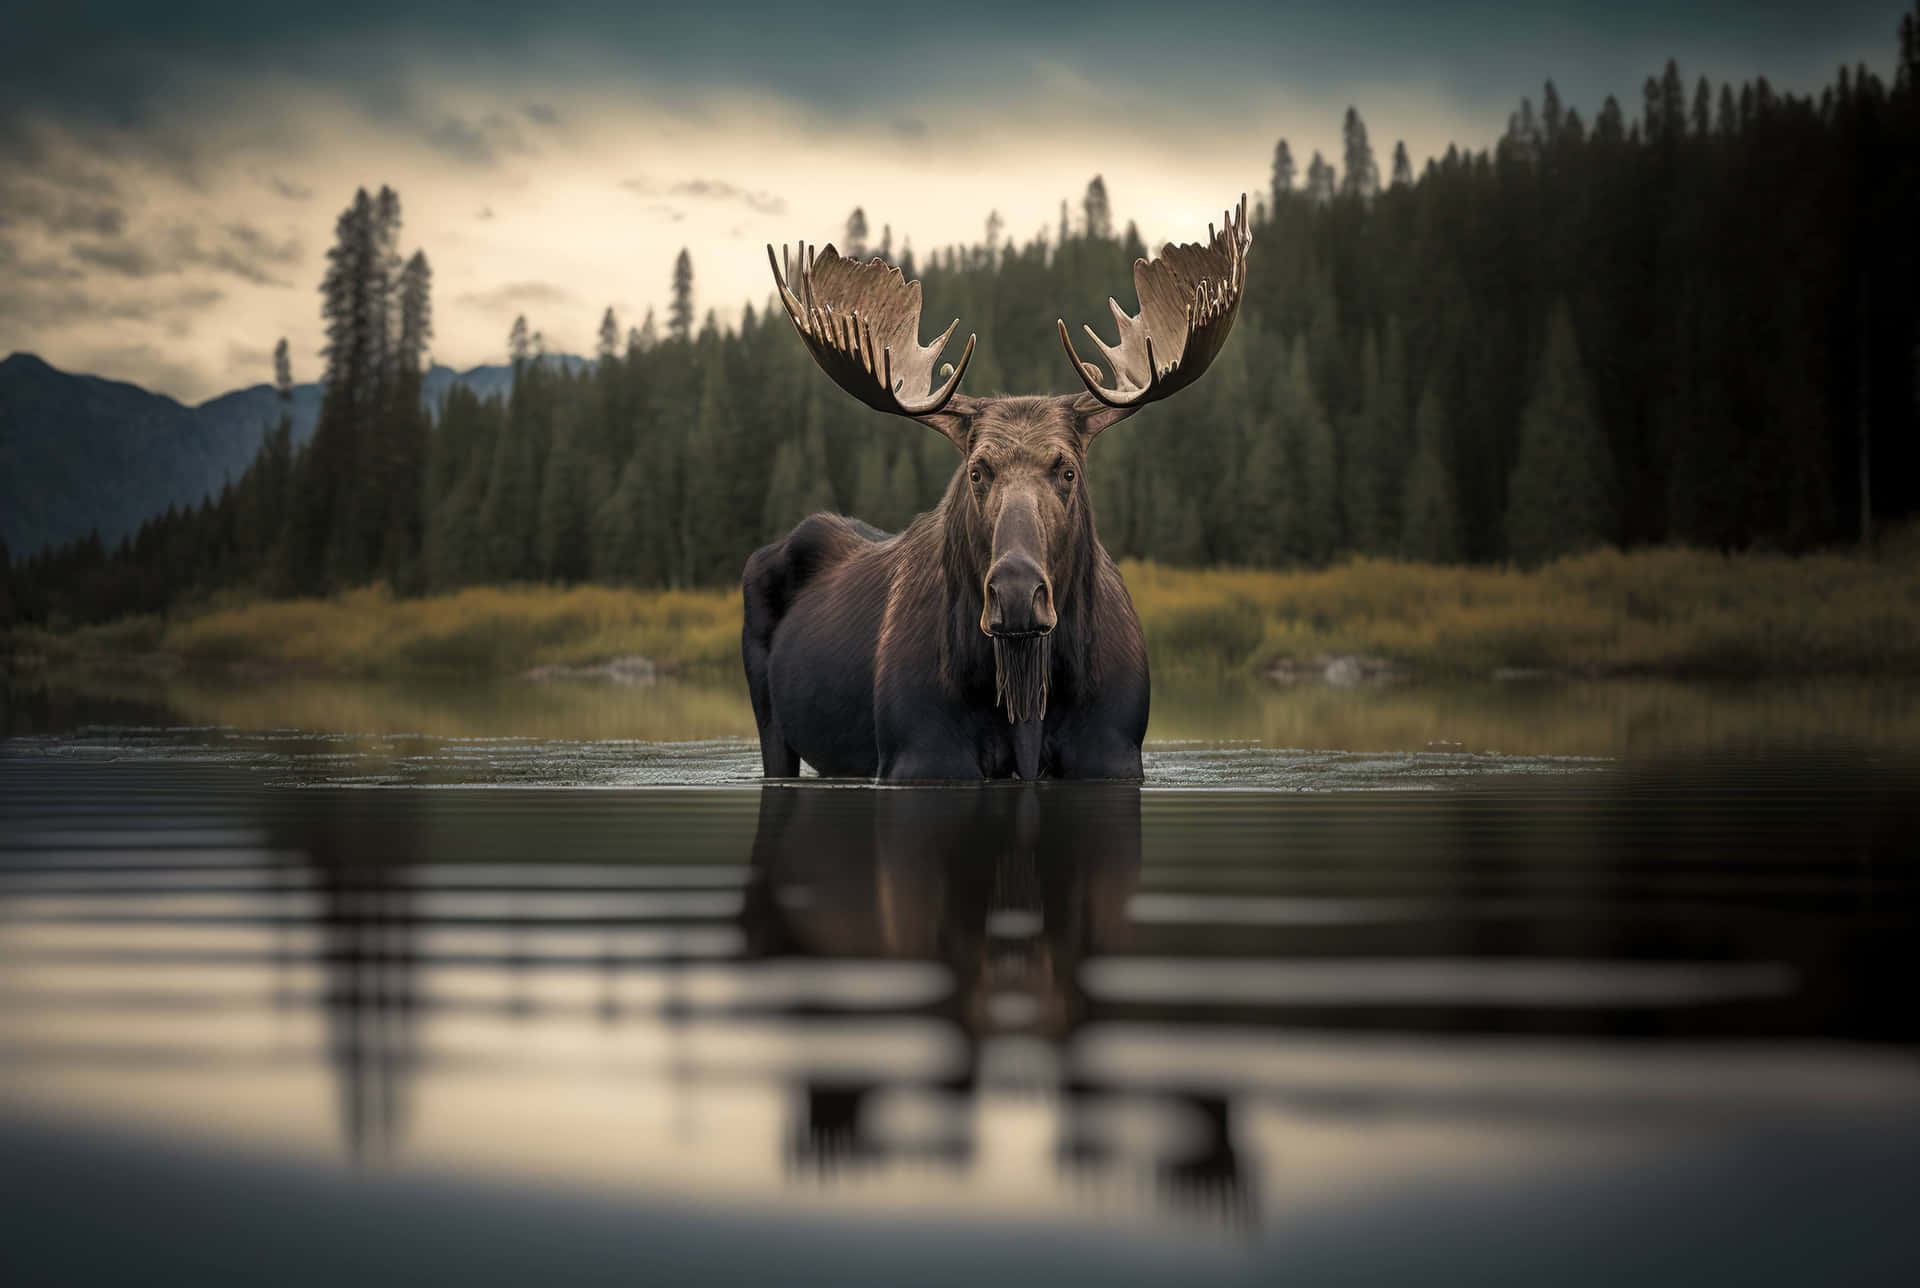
x=993, y=637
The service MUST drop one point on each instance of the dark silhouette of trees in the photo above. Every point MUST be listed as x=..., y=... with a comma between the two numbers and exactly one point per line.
x=1361, y=178
x=680, y=311
x=1282, y=185
x=1561, y=497
x=1098, y=213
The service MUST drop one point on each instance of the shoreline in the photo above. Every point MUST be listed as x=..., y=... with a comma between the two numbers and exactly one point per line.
x=1658, y=613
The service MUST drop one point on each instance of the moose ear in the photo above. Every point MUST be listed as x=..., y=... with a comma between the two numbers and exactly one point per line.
x=1090, y=416
x=955, y=420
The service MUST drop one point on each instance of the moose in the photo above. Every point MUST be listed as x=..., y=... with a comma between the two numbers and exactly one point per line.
x=993, y=636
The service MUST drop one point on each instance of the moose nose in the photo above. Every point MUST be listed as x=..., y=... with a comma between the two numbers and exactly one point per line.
x=1019, y=598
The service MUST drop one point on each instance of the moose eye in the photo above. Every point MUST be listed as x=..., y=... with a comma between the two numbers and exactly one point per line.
x=1068, y=476
x=974, y=475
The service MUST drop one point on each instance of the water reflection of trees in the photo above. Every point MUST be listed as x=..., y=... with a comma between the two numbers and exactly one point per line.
x=1009, y=888
x=368, y=929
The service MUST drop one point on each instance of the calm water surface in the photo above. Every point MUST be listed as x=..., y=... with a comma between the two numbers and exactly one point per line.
x=410, y=995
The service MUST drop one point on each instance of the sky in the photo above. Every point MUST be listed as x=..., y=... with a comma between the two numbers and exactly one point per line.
x=170, y=174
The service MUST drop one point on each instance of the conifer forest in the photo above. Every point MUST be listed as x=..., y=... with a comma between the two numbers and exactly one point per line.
x=1691, y=318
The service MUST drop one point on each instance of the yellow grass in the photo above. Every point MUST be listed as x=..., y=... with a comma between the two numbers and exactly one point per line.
x=1674, y=612
x=479, y=631
x=1652, y=611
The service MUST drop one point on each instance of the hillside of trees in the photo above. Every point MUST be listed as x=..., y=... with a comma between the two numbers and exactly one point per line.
x=1696, y=323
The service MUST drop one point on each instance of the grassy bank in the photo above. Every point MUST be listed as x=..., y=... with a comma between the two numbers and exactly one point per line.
x=1671, y=612
x=1651, y=612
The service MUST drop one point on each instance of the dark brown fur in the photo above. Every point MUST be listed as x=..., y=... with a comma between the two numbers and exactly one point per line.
x=869, y=654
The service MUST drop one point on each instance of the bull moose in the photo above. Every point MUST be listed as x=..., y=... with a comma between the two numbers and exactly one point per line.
x=993, y=637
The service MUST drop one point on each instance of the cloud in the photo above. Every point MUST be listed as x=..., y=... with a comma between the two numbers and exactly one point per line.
x=44, y=307
x=909, y=127
x=127, y=258
x=15, y=267
x=145, y=365
x=541, y=113
x=249, y=355
x=290, y=190
x=240, y=249
x=58, y=210
x=760, y=202
x=517, y=295
x=476, y=143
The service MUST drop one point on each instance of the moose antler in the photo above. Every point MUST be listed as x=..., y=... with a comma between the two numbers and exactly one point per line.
x=1189, y=296
x=861, y=323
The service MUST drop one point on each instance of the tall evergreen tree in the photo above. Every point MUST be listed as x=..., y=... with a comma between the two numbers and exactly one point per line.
x=680, y=311
x=1097, y=210
x=1431, y=528
x=1310, y=521
x=607, y=345
x=1281, y=184
x=1561, y=497
x=1320, y=181
x=1362, y=176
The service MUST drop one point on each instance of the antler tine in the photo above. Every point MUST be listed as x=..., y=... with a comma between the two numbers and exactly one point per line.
x=861, y=322
x=1189, y=297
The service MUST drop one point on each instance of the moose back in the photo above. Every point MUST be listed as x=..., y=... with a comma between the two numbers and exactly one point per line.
x=993, y=637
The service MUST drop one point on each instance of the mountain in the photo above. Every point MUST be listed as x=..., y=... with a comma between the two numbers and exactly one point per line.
x=82, y=452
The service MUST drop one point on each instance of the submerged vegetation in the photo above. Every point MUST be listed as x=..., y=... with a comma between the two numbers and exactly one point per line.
x=1647, y=612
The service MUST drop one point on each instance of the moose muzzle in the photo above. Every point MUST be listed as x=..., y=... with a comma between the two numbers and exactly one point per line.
x=1019, y=599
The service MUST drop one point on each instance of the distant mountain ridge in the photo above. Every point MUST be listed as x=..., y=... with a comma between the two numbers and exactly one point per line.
x=80, y=453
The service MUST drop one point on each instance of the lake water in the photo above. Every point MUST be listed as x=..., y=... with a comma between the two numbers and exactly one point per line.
x=1528, y=982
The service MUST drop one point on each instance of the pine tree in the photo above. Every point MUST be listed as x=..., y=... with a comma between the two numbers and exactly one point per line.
x=1309, y=521
x=607, y=346
x=1367, y=458
x=680, y=312
x=561, y=551
x=903, y=488
x=1402, y=166
x=1362, y=176
x=1552, y=115
x=857, y=234
x=872, y=490
x=1282, y=182
x=798, y=486
x=404, y=450
x=1431, y=529
x=1702, y=109
x=1320, y=181
x=1560, y=498
x=1608, y=127
x=1098, y=212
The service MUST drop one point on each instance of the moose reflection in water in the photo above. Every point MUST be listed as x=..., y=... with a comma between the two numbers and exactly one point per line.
x=1001, y=891
x=1009, y=888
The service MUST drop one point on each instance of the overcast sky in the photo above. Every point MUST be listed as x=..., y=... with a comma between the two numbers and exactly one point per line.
x=170, y=174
